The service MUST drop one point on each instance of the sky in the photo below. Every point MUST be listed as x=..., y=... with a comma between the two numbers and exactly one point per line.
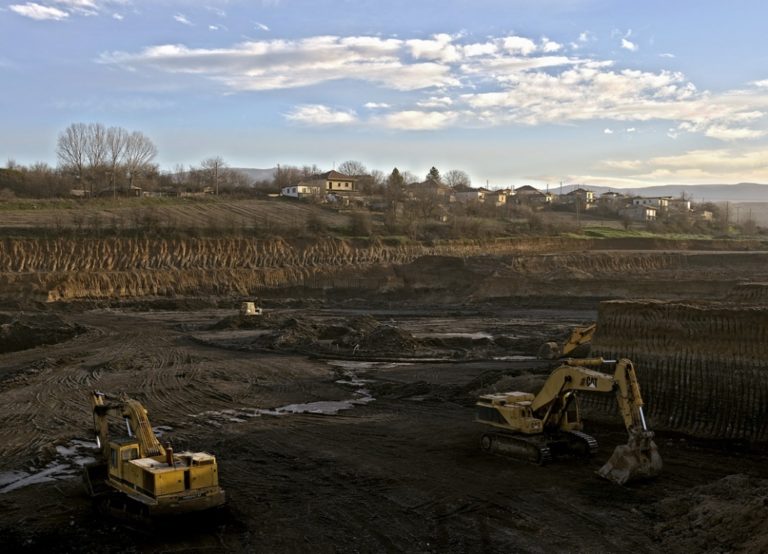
x=601, y=92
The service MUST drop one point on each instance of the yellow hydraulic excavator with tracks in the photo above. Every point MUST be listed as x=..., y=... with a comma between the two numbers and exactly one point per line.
x=140, y=476
x=547, y=425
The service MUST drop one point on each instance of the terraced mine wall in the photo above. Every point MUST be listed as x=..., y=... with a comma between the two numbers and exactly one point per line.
x=51, y=270
x=703, y=367
x=67, y=269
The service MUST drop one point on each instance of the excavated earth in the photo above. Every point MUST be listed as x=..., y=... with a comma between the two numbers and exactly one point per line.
x=342, y=418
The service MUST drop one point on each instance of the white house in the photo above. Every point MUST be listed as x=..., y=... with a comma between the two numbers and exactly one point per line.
x=302, y=190
x=661, y=203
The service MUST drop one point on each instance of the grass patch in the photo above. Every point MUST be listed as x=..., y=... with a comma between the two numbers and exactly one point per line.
x=610, y=233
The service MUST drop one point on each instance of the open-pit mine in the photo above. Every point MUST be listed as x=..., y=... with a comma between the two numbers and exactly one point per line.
x=342, y=415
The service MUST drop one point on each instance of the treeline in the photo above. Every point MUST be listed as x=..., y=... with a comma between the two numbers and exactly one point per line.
x=95, y=160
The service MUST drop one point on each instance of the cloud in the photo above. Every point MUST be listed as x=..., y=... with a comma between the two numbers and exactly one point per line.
x=280, y=64
x=666, y=55
x=629, y=45
x=519, y=45
x=438, y=48
x=608, y=131
x=550, y=45
x=376, y=105
x=261, y=26
x=81, y=7
x=39, y=12
x=181, y=18
x=623, y=164
x=435, y=102
x=726, y=133
x=506, y=80
x=317, y=114
x=724, y=165
x=416, y=120
x=631, y=130
x=117, y=16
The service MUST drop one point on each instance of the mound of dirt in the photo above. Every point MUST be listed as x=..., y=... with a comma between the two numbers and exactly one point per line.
x=238, y=321
x=21, y=331
x=295, y=332
x=728, y=515
x=387, y=337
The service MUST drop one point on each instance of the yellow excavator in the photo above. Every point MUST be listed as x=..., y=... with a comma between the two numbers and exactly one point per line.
x=577, y=345
x=547, y=425
x=138, y=475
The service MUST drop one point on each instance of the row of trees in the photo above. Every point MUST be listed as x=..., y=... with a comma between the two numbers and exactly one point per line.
x=93, y=154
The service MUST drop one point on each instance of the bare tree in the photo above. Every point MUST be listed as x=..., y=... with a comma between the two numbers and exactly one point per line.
x=287, y=175
x=139, y=153
x=214, y=168
x=457, y=179
x=71, y=149
x=352, y=168
x=117, y=143
x=96, y=146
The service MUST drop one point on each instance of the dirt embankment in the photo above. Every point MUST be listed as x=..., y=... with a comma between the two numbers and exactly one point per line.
x=65, y=269
x=70, y=269
x=703, y=366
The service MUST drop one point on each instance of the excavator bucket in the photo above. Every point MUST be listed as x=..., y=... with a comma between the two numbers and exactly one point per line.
x=638, y=459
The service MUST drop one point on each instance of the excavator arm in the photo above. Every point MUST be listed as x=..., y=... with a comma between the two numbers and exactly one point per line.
x=639, y=457
x=136, y=422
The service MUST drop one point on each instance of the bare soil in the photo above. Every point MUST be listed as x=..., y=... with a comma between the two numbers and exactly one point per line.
x=372, y=451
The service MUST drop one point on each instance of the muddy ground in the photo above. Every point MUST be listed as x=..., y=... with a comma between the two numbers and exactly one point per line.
x=365, y=448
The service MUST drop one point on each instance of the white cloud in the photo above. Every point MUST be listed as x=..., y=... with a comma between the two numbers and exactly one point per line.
x=723, y=132
x=213, y=27
x=438, y=48
x=550, y=45
x=632, y=165
x=666, y=55
x=117, y=16
x=416, y=120
x=39, y=12
x=277, y=64
x=81, y=7
x=631, y=130
x=585, y=36
x=519, y=45
x=479, y=49
x=629, y=45
x=181, y=18
x=317, y=114
x=502, y=81
x=261, y=26
x=608, y=131
x=435, y=102
x=723, y=165
x=376, y=105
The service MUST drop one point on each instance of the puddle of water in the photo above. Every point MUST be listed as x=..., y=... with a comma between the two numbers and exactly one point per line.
x=473, y=336
x=160, y=430
x=70, y=458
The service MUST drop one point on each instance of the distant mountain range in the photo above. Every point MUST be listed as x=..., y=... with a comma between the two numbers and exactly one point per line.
x=741, y=192
x=256, y=175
